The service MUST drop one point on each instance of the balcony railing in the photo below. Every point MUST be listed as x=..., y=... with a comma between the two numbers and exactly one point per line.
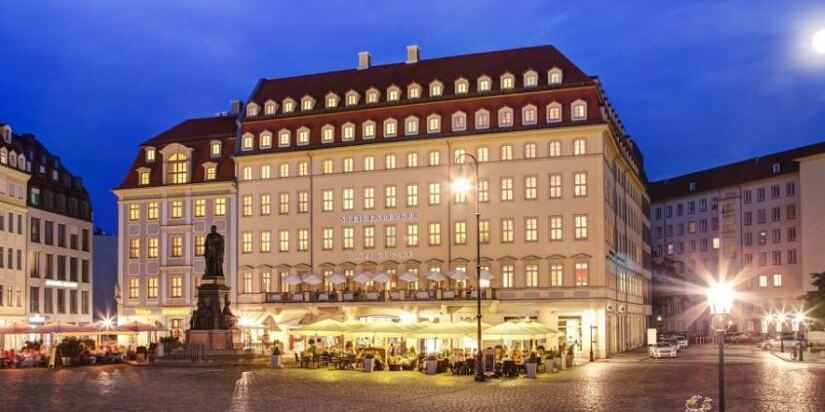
x=380, y=296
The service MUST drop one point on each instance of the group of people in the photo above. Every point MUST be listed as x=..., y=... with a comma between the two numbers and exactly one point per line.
x=28, y=357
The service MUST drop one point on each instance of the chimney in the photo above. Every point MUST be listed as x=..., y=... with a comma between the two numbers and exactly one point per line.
x=234, y=106
x=413, y=53
x=364, y=60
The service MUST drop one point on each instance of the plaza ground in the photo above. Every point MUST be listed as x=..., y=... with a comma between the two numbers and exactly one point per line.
x=756, y=381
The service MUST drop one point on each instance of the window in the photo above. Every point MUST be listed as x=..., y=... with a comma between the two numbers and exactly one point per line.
x=200, y=207
x=555, y=148
x=369, y=197
x=436, y=88
x=389, y=161
x=434, y=234
x=246, y=242
x=389, y=197
x=578, y=110
x=348, y=235
x=434, y=195
x=508, y=81
x=483, y=84
x=554, y=76
x=506, y=189
x=220, y=206
x=482, y=154
x=150, y=154
x=529, y=150
x=152, y=247
x=556, y=275
x=270, y=107
x=369, y=237
x=134, y=250
x=434, y=158
x=507, y=230
x=530, y=187
x=372, y=95
x=144, y=178
x=289, y=105
x=303, y=202
x=411, y=126
x=412, y=159
x=307, y=103
x=327, y=134
x=303, y=136
x=283, y=240
x=433, y=123
x=579, y=147
x=332, y=100
x=284, y=137
x=582, y=273
x=412, y=195
x=327, y=199
x=252, y=109
x=507, y=272
x=152, y=210
x=246, y=205
x=348, y=199
x=484, y=231
x=134, y=289
x=348, y=132
x=413, y=91
x=556, y=232
x=412, y=234
x=531, y=229
x=176, y=249
x=554, y=112
x=579, y=184
x=528, y=115
x=505, y=117
x=531, y=272
x=461, y=86
x=482, y=119
x=152, y=287
x=368, y=130
x=265, y=140
x=580, y=232
x=555, y=186
x=530, y=79
x=176, y=289
x=266, y=204
x=134, y=213
x=247, y=282
x=390, y=128
x=460, y=233
x=303, y=240
x=327, y=167
x=266, y=241
x=200, y=245
x=247, y=142
x=777, y=280
x=178, y=168
x=506, y=152
x=390, y=234
x=393, y=93
x=351, y=98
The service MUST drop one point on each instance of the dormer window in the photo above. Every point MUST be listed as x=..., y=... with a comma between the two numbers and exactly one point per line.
x=459, y=121
x=482, y=120
x=531, y=79
x=411, y=126
x=393, y=93
x=247, y=142
x=578, y=110
x=433, y=123
x=348, y=132
x=554, y=76
x=270, y=108
x=252, y=109
x=265, y=140
x=284, y=136
x=372, y=95
x=508, y=81
x=462, y=86
x=289, y=105
x=7, y=134
x=505, y=117
x=776, y=167
x=307, y=103
x=177, y=169
x=303, y=136
x=211, y=172
x=692, y=186
x=390, y=128
x=352, y=98
x=332, y=100
x=143, y=176
x=553, y=112
x=528, y=114
x=436, y=89
x=413, y=91
x=327, y=134
x=483, y=84
x=368, y=130
x=150, y=154
x=215, y=150
x=4, y=156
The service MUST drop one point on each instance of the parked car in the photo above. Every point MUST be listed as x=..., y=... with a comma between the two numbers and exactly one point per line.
x=789, y=340
x=672, y=341
x=739, y=338
x=663, y=350
x=681, y=342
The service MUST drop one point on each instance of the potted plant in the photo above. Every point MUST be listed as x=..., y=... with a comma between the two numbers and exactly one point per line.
x=549, y=361
x=275, y=359
x=70, y=350
x=568, y=359
x=431, y=365
x=531, y=365
x=369, y=362
x=140, y=354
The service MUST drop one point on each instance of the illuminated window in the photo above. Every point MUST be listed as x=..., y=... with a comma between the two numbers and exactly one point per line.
x=327, y=238
x=152, y=287
x=556, y=230
x=348, y=199
x=348, y=132
x=556, y=274
x=530, y=187
x=176, y=289
x=434, y=231
x=528, y=115
x=289, y=105
x=369, y=197
x=369, y=237
x=266, y=281
x=327, y=167
x=303, y=168
x=176, y=209
x=411, y=126
x=507, y=275
x=283, y=240
x=459, y=121
x=303, y=136
x=247, y=141
x=303, y=240
x=508, y=81
x=144, y=178
x=134, y=211
x=134, y=248
x=531, y=229
x=284, y=136
x=412, y=234
x=389, y=197
x=413, y=91
x=553, y=112
x=483, y=84
x=506, y=152
x=178, y=168
x=270, y=108
x=434, y=195
x=176, y=249
x=327, y=199
x=434, y=158
x=505, y=117
x=483, y=190
x=393, y=93
x=283, y=203
x=220, y=207
x=555, y=148
x=531, y=79
x=150, y=154
x=390, y=236
x=134, y=288
x=462, y=86
x=200, y=207
x=372, y=95
x=506, y=189
x=554, y=76
x=211, y=173
x=303, y=202
x=327, y=134
x=434, y=124
x=484, y=231
x=348, y=237
x=266, y=171
x=152, y=247
x=246, y=173
x=307, y=103
x=389, y=161
x=555, y=186
x=579, y=147
x=530, y=151
x=368, y=129
x=246, y=286
x=482, y=119
x=390, y=128
x=246, y=205
x=460, y=233
x=200, y=246
x=582, y=273
x=580, y=232
x=252, y=109
x=578, y=110
x=531, y=273
x=412, y=159
x=507, y=230
x=246, y=242
x=332, y=100
x=436, y=88
x=265, y=140
x=579, y=184
x=266, y=241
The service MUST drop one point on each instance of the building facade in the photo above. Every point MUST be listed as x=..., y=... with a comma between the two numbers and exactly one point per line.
x=59, y=242
x=349, y=173
x=746, y=223
x=14, y=176
x=181, y=183
x=104, y=261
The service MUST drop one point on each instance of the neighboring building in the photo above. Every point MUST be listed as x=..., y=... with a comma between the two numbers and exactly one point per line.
x=14, y=175
x=104, y=264
x=59, y=244
x=349, y=172
x=756, y=223
x=181, y=182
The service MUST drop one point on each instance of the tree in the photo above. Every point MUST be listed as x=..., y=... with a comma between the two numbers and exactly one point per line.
x=815, y=300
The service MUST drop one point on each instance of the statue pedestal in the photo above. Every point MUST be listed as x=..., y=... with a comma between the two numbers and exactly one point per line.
x=215, y=341
x=213, y=330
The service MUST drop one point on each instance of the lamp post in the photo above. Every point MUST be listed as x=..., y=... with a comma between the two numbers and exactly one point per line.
x=781, y=326
x=720, y=299
x=463, y=186
x=800, y=322
x=592, y=326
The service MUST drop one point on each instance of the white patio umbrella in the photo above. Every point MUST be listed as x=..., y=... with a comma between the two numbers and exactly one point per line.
x=380, y=277
x=336, y=278
x=293, y=279
x=408, y=277
x=487, y=275
x=436, y=276
x=313, y=279
x=362, y=277
x=457, y=275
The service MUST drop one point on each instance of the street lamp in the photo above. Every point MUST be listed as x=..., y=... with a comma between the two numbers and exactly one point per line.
x=781, y=321
x=720, y=299
x=462, y=185
x=800, y=322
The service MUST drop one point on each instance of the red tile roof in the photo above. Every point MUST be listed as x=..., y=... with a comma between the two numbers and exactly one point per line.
x=196, y=134
x=732, y=174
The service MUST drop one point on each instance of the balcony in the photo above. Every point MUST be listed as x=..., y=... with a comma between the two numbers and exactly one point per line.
x=380, y=296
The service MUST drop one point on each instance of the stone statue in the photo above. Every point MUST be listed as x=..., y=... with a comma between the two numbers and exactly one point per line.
x=213, y=252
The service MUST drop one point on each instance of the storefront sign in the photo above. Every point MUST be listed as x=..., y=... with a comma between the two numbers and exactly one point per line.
x=143, y=312
x=380, y=255
x=175, y=311
x=37, y=318
x=407, y=216
x=61, y=284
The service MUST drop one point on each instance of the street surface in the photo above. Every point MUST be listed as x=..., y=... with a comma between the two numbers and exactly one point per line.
x=756, y=381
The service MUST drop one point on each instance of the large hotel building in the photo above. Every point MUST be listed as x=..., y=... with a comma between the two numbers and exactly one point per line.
x=348, y=175
x=757, y=224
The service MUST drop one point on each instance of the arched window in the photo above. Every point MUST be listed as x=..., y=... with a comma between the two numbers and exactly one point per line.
x=433, y=123
x=579, y=147
x=372, y=95
x=506, y=152
x=178, y=169
x=529, y=150
x=303, y=136
x=555, y=148
x=553, y=112
x=462, y=86
x=531, y=78
x=284, y=136
x=265, y=140
x=270, y=108
x=578, y=110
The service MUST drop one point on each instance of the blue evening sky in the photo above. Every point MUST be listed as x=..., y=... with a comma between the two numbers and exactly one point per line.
x=696, y=83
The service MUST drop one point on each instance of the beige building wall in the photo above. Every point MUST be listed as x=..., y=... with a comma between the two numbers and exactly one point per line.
x=812, y=200
x=13, y=233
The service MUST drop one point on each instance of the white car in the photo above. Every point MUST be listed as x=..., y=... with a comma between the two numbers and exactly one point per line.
x=662, y=350
x=681, y=342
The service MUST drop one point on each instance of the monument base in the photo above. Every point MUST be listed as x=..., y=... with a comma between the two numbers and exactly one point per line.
x=215, y=341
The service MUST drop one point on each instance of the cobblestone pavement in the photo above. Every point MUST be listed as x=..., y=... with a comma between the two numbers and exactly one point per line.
x=756, y=381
